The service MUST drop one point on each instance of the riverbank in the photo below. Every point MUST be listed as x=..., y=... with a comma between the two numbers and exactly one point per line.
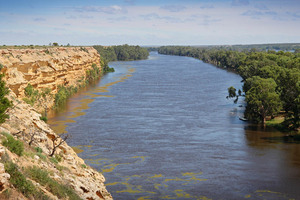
x=277, y=72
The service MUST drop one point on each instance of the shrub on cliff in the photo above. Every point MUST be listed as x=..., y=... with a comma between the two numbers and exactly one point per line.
x=15, y=146
x=31, y=94
x=63, y=94
x=41, y=176
x=105, y=67
x=4, y=102
x=19, y=181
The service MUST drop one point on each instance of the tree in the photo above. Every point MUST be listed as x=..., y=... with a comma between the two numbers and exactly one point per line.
x=232, y=94
x=4, y=102
x=262, y=99
x=55, y=44
x=56, y=142
x=289, y=85
x=32, y=135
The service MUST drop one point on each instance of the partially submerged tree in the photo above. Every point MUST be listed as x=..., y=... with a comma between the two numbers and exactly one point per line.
x=232, y=94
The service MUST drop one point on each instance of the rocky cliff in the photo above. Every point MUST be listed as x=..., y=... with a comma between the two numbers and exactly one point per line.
x=44, y=68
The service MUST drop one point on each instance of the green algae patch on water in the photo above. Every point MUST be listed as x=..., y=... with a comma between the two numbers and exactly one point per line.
x=157, y=176
x=267, y=195
x=111, y=167
x=141, y=157
x=77, y=150
x=145, y=198
x=134, y=189
x=192, y=178
x=60, y=127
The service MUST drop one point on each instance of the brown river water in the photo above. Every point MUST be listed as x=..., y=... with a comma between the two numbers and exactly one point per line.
x=162, y=128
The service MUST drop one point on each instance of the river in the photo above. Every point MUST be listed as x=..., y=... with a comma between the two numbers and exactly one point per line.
x=162, y=128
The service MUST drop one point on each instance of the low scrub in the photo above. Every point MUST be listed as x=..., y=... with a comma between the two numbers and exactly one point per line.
x=15, y=146
x=31, y=94
x=63, y=94
x=42, y=177
x=19, y=181
x=93, y=74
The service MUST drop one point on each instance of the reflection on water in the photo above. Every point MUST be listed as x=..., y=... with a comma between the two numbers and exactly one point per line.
x=168, y=132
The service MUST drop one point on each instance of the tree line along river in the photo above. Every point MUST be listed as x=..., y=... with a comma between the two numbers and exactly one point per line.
x=162, y=128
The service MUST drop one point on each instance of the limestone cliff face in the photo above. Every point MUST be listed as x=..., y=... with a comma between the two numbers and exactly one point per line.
x=44, y=68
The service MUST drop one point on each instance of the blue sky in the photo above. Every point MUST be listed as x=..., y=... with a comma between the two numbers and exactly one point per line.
x=151, y=22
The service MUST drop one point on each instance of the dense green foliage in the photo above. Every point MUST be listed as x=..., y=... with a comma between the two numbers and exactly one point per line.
x=41, y=176
x=262, y=99
x=265, y=47
x=105, y=67
x=278, y=71
x=4, y=102
x=119, y=53
x=15, y=146
x=122, y=52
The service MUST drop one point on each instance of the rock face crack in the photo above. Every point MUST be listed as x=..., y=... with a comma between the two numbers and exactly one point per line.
x=99, y=194
x=84, y=189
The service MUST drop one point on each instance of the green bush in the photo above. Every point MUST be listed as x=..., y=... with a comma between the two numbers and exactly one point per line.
x=41, y=176
x=43, y=157
x=58, y=157
x=15, y=146
x=31, y=94
x=44, y=118
x=92, y=74
x=63, y=94
x=105, y=67
x=38, y=149
x=4, y=102
x=19, y=181
x=53, y=160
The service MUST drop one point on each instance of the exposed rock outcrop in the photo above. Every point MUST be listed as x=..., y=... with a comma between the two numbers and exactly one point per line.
x=47, y=68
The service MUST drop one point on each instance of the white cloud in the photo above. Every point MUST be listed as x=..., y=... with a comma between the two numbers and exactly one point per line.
x=199, y=23
x=240, y=2
x=173, y=8
x=261, y=7
x=39, y=19
x=101, y=9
